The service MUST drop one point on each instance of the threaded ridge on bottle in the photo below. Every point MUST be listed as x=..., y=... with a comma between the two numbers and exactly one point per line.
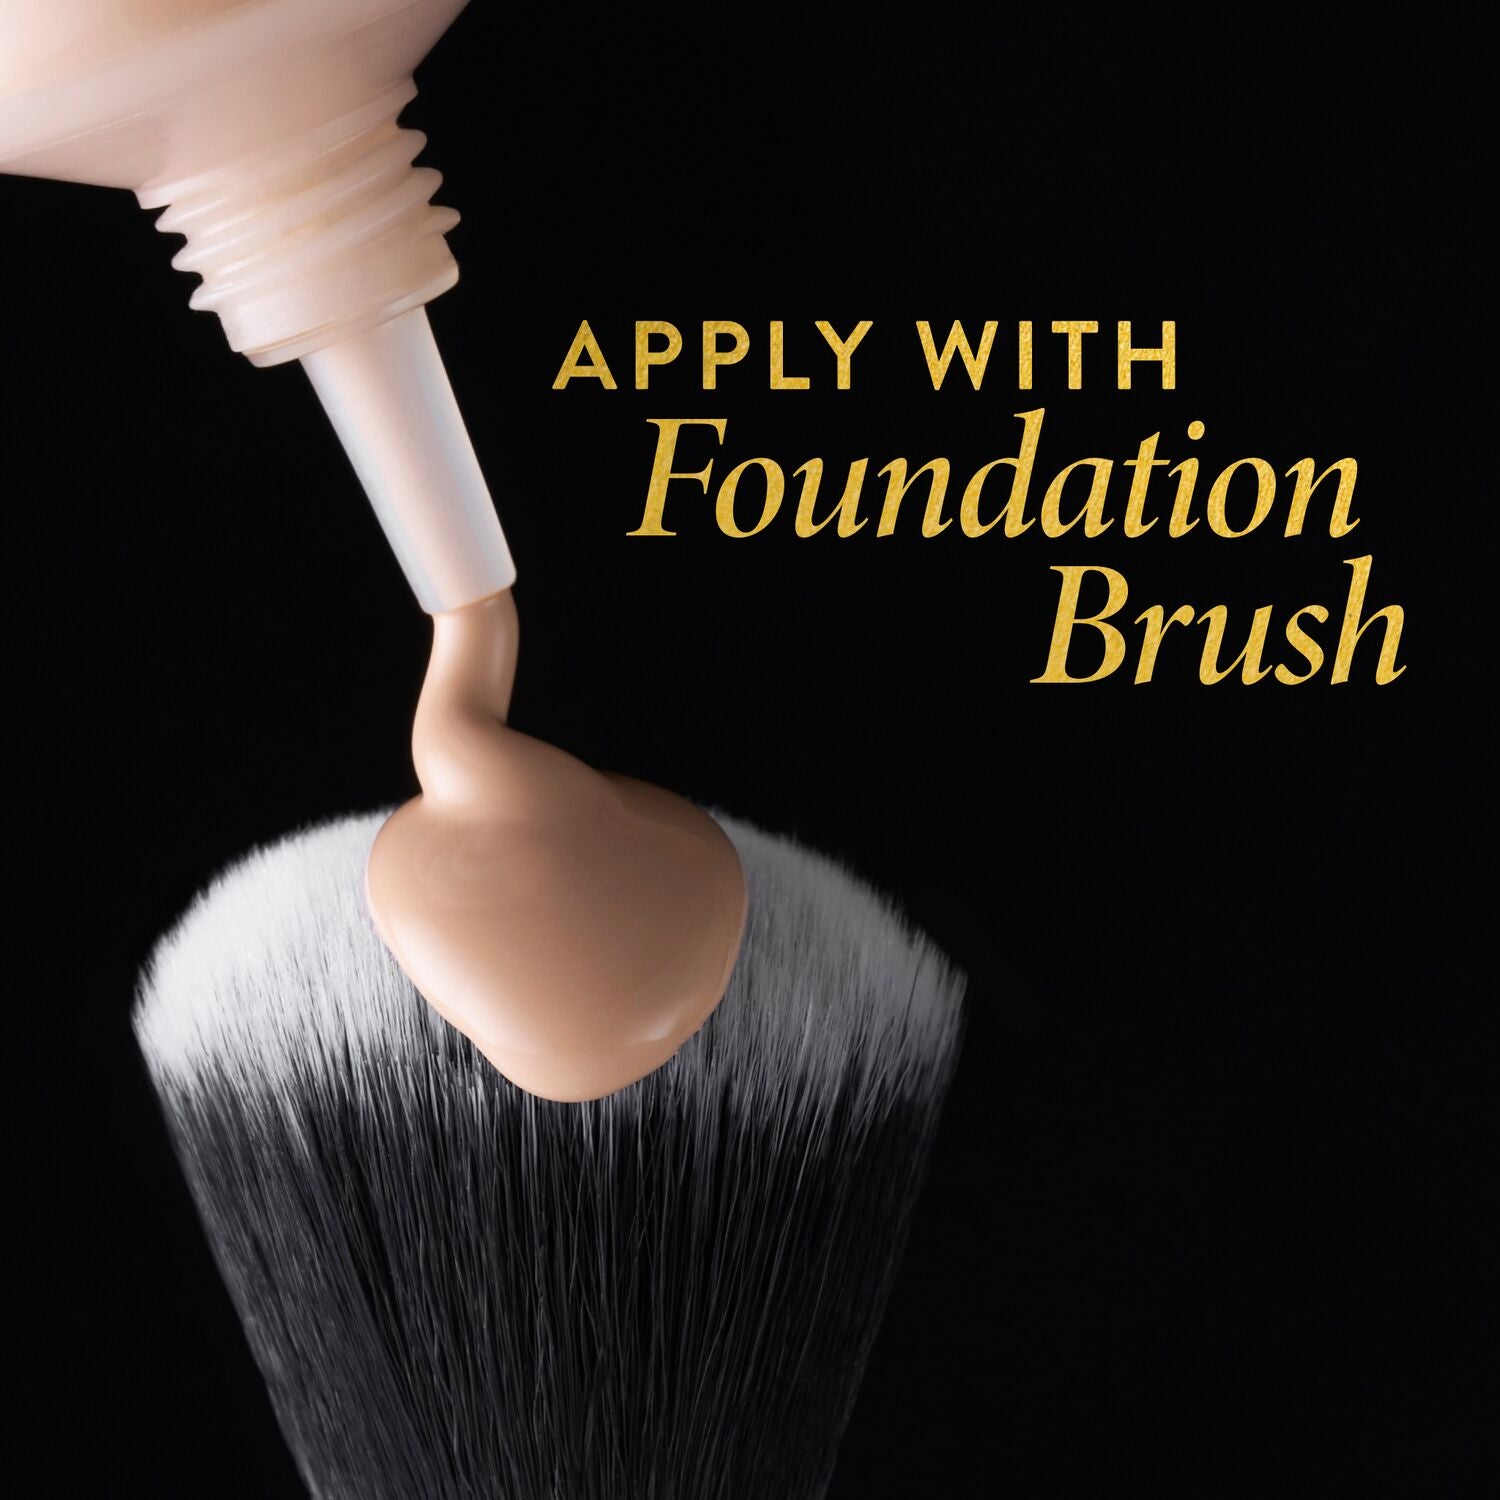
x=325, y=234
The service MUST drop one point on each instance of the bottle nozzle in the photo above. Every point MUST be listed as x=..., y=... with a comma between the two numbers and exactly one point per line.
x=387, y=394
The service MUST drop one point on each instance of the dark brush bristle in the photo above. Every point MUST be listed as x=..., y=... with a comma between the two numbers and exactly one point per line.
x=456, y=1289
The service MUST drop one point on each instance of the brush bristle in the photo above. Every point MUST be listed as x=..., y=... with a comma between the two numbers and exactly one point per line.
x=456, y=1289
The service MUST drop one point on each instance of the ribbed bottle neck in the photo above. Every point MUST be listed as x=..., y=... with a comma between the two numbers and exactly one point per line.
x=327, y=233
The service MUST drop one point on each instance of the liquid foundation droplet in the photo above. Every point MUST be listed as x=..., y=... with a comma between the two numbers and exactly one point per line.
x=577, y=927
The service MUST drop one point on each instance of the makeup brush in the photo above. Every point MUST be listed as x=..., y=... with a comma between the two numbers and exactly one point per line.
x=455, y=1288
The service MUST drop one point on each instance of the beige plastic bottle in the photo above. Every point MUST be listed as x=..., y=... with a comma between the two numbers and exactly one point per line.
x=578, y=927
x=266, y=131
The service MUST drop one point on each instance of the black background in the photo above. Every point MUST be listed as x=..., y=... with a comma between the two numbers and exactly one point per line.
x=1204, y=1215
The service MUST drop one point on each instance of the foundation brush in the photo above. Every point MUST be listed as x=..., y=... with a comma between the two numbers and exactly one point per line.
x=456, y=1288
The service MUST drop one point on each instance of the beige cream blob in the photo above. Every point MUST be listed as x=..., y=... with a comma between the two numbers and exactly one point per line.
x=577, y=927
